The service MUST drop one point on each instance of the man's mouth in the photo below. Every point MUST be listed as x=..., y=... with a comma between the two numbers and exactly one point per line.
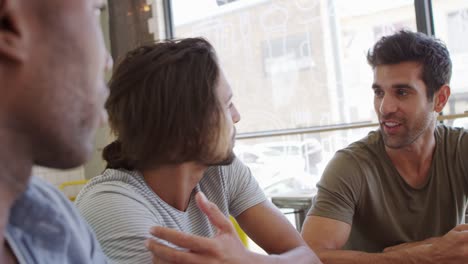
x=391, y=127
x=390, y=124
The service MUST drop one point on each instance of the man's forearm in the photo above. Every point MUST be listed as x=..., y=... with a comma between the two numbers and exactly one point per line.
x=405, y=256
x=299, y=255
x=411, y=244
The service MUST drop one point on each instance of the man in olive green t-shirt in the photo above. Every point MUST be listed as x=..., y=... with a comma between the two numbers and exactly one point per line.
x=398, y=195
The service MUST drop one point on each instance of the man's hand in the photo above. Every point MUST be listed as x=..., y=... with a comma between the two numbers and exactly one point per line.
x=451, y=248
x=224, y=247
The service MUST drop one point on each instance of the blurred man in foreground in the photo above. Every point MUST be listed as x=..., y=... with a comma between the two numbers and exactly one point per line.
x=52, y=62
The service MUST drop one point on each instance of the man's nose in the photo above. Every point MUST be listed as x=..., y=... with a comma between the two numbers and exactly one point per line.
x=235, y=115
x=388, y=105
x=109, y=61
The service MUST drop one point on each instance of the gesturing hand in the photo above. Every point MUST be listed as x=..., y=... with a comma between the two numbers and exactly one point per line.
x=224, y=247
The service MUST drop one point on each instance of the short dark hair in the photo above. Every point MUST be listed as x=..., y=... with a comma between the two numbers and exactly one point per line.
x=404, y=46
x=163, y=105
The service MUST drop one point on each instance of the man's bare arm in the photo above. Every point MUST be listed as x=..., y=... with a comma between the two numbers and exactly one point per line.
x=225, y=247
x=411, y=244
x=327, y=236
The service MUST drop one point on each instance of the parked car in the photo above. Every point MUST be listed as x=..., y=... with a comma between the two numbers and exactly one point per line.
x=461, y=122
x=279, y=168
x=309, y=151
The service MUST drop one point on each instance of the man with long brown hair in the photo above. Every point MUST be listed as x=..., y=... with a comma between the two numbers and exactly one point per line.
x=171, y=109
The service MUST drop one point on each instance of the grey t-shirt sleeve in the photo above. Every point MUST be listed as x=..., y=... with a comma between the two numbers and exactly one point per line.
x=243, y=190
x=338, y=189
x=121, y=221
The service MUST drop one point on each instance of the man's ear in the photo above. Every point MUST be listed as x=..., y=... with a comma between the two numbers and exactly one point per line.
x=12, y=41
x=441, y=98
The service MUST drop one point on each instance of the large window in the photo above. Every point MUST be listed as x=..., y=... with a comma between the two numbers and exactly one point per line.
x=451, y=25
x=294, y=64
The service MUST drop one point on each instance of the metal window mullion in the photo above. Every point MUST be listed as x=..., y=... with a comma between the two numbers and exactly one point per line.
x=168, y=19
x=424, y=16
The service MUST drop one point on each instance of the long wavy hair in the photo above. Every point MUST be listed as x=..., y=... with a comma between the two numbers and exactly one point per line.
x=163, y=106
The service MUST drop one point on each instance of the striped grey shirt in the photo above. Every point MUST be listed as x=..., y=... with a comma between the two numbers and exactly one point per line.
x=121, y=208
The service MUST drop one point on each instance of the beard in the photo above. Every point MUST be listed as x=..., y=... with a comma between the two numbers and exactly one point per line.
x=227, y=160
x=229, y=156
x=411, y=131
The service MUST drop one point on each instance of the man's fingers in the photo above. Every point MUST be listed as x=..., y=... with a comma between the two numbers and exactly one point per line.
x=460, y=228
x=216, y=217
x=180, y=239
x=388, y=249
x=460, y=233
x=157, y=260
x=164, y=254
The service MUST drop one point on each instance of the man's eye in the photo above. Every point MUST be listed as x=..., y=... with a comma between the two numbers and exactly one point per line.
x=402, y=92
x=98, y=10
x=378, y=93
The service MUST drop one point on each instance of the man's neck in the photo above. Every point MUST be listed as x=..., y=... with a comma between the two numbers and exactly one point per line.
x=7, y=255
x=175, y=183
x=15, y=172
x=414, y=161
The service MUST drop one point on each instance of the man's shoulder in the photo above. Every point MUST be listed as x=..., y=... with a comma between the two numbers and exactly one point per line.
x=448, y=132
x=451, y=138
x=370, y=145
x=43, y=201
x=450, y=141
x=42, y=192
x=358, y=157
x=43, y=216
x=114, y=183
x=117, y=180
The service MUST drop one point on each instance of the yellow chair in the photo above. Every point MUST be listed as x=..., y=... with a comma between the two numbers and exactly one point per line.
x=242, y=235
x=71, y=183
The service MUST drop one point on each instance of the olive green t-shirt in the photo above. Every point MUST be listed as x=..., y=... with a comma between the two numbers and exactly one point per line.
x=361, y=187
